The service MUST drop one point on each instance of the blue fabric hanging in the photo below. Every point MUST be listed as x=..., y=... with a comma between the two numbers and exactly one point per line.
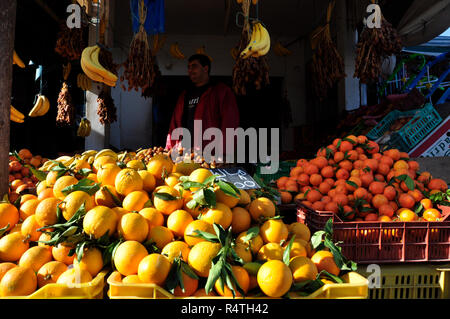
x=155, y=20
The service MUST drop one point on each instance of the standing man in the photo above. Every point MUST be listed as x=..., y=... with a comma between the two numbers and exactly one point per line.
x=212, y=103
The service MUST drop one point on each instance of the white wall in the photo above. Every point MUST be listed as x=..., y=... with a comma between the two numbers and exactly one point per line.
x=133, y=129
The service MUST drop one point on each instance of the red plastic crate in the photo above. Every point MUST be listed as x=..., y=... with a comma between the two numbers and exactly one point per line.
x=385, y=242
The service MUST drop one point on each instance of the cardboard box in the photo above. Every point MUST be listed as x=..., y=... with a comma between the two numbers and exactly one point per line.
x=437, y=143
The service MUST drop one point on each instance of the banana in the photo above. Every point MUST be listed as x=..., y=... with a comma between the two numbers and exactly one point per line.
x=248, y=49
x=15, y=119
x=263, y=45
x=161, y=42
x=88, y=127
x=66, y=70
x=81, y=129
x=281, y=50
x=155, y=43
x=17, y=60
x=91, y=159
x=105, y=152
x=108, y=75
x=91, y=70
x=45, y=106
x=16, y=113
x=89, y=152
x=178, y=52
x=37, y=106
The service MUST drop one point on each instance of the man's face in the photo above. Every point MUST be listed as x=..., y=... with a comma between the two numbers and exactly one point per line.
x=197, y=73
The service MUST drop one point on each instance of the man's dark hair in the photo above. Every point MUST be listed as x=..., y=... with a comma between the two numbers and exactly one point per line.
x=202, y=59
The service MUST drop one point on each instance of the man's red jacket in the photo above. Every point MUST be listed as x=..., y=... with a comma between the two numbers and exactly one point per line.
x=216, y=108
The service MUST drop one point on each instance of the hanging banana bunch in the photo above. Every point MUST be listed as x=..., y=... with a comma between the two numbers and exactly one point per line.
x=202, y=50
x=16, y=115
x=41, y=106
x=280, y=50
x=259, y=43
x=93, y=69
x=84, y=82
x=175, y=51
x=84, y=129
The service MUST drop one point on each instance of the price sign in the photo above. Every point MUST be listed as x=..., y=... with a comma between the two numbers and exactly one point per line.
x=237, y=176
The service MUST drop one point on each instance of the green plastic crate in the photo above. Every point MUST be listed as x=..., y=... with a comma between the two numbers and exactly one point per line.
x=283, y=170
x=423, y=121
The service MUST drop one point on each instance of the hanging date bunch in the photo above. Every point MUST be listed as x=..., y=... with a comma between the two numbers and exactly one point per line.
x=139, y=66
x=70, y=42
x=327, y=63
x=66, y=110
x=106, y=109
x=251, y=67
x=374, y=45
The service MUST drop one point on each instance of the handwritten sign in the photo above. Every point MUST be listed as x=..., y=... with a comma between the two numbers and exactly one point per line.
x=237, y=176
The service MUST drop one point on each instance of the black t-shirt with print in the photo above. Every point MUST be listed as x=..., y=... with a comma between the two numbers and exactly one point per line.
x=191, y=100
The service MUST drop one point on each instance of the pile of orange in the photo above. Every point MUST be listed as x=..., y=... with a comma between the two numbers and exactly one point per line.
x=20, y=176
x=147, y=206
x=355, y=179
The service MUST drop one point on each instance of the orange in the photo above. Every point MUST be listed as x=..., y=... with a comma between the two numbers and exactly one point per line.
x=61, y=253
x=384, y=218
x=190, y=229
x=176, y=249
x=426, y=203
x=154, y=269
x=373, y=147
x=12, y=247
x=390, y=193
x=199, y=175
x=153, y=217
x=406, y=201
x=270, y=251
x=50, y=272
x=378, y=200
x=431, y=214
x=167, y=206
x=160, y=235
x=9, y=215
x=221, y=215
x=100, y=220
x=342, y=174
x=327, y=172
x=400, y=165
x=61, y=183
x=376, y=187
x=25, y=153
x=302, y=269
x=45, y=237
x=133, y=226
x=274, y=278
x=241, y=220
x=178, y=220
x=18, y=281
x=46, y=211
x=360, y=193
x=128, y=256
x=202, y=293
x=131, y=279
x=320, y=162
x=313, y=196
x=148, y=180
x=332, y=207
x=324, y=260
x=274, y=231
x=46, y=193
x=103, y=196
x=73, y=276
x=310, y=169
x=254, y=243
x=190, y=286
x=35, y=258
x=243, y=252
x=102, y=160
x=406, y=215
x=242, y=279
x=107, y=173
x=4, y=267
x=29, y=228
x=73, y=202
x=286, y=197
x=160, y=164
x=127, y=181
x=201, y=255
x=437, y=183
x=136, y=200
x=386, y=210
x=92, y=261
x=27, y=197
x=261, y=207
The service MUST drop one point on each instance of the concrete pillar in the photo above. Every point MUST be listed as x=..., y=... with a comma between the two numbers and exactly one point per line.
x=7, y=32
x=348, y=88
x=99, y=137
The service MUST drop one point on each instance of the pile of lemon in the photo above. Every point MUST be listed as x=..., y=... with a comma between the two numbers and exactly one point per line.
x=127, y=206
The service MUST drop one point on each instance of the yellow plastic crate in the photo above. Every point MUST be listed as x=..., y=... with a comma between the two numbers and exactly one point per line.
x=355, y=288
x=89, y=290
x=411, y=281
